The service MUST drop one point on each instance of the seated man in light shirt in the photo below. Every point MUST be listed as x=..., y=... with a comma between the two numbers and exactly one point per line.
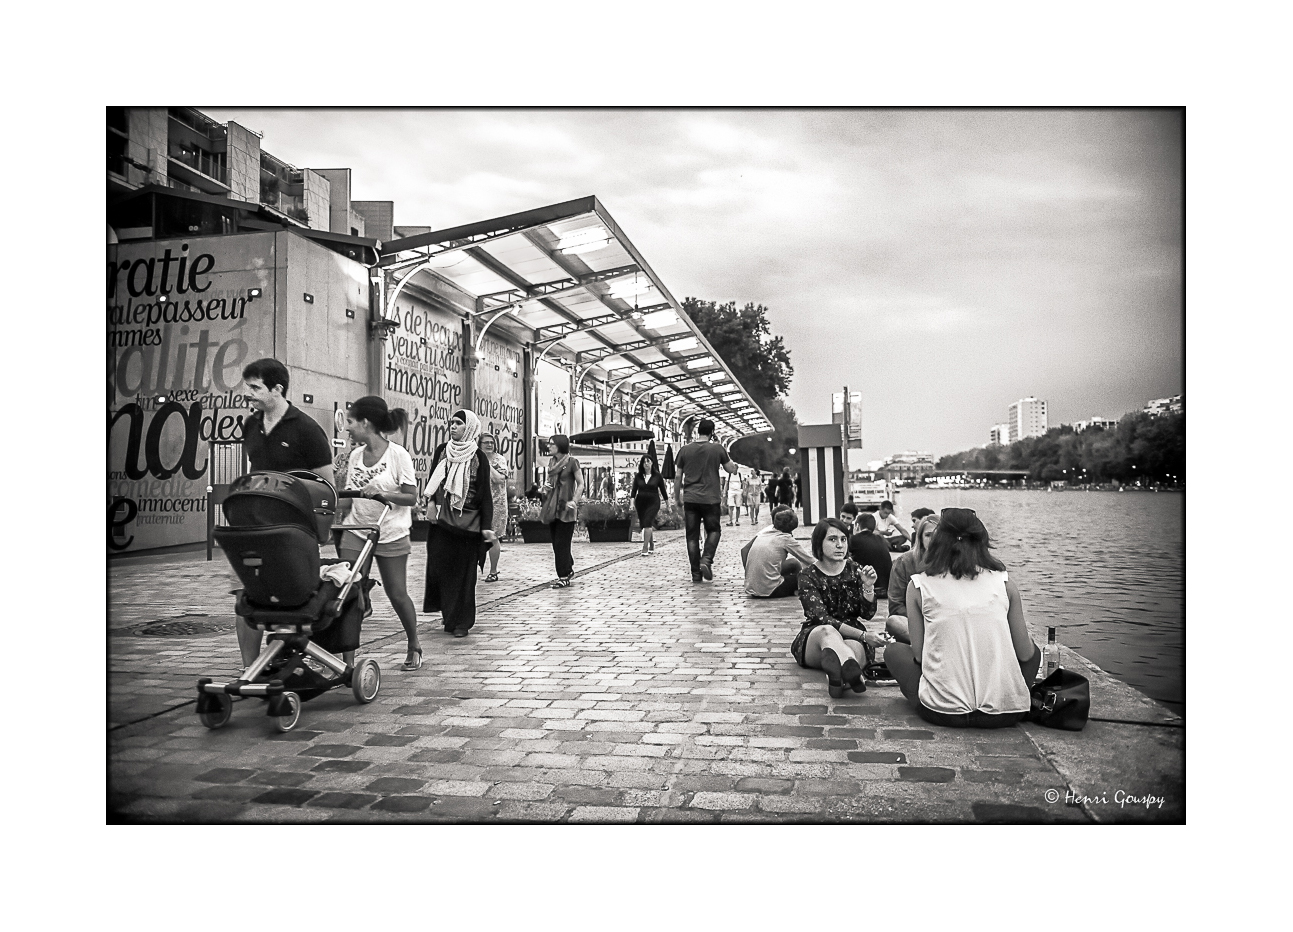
x=774, y=559
x=890, y=528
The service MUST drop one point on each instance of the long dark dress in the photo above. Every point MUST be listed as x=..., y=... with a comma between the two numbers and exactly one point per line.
x=647, y=494
x=456, y=548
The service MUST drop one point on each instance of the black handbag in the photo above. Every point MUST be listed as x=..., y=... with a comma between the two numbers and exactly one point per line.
x=1062, y=700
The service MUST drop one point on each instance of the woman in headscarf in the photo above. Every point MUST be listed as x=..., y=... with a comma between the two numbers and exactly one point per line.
x=499, y=472
x=458, y=539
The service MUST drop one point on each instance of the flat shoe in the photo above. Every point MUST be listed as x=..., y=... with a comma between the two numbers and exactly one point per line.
x=492, y=577
x=706, y=570
x=834, y=676
x=411, y=665
x=460, y=632
x=851, y=673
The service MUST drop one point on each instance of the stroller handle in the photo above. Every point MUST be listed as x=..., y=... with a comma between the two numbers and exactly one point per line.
x=356, y=493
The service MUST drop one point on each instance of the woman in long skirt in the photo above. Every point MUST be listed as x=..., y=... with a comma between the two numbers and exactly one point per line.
x=462, y=532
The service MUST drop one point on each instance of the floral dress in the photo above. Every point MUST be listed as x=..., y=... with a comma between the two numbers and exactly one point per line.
x=827, y=599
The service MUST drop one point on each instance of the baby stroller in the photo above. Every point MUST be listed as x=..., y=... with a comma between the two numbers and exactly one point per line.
x=276, y=523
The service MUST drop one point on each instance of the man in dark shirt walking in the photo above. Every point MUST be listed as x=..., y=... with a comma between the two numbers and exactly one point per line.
x=700, y=496
x=277, y=436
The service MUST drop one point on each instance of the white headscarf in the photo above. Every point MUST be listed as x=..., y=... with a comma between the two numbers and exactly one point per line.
x=453, y=470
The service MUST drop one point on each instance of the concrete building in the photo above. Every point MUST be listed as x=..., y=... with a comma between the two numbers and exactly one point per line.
x=1027, y=418
x=1161, y=406
x=1104, y=423
x=907, y=465
x=1000, y=434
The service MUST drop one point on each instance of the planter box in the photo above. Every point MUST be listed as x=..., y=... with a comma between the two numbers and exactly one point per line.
x=535, y=532
x=610, y=532
x=419, y=530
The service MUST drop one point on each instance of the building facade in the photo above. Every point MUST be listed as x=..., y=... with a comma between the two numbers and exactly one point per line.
x=1103, y=423
x=907, y=466
x=1160, y=406
x=220, y=253
x=999, y=434
x=1027, y=418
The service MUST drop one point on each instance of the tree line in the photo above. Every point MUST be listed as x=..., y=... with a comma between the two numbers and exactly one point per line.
x=1141, y=448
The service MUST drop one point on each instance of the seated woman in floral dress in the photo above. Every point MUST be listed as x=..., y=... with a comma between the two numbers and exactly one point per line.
x=837, y=596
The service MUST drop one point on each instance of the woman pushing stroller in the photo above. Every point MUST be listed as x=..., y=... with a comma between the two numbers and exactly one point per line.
x=379, y=467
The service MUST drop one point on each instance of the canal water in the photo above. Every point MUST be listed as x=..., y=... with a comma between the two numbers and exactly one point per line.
x=1106, y=568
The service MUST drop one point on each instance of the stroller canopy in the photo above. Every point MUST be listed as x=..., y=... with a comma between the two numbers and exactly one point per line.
x=269, y=499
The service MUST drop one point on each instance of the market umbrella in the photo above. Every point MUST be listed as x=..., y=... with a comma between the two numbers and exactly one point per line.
x=655, y=459
x=611, y=434
x=667, y=471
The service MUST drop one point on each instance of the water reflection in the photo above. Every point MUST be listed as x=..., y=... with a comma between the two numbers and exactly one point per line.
x=1107, y=568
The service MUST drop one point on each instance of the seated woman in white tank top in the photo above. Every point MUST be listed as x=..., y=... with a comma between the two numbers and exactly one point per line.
x=970, y=662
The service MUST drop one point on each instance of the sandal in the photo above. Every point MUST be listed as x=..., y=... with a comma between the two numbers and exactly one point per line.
x=410, y=665
x=492, y=577
x=562, y=582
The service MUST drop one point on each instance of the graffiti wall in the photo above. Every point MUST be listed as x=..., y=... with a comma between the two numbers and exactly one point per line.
x=184, y=317
x=422, y=373
x=499, y=402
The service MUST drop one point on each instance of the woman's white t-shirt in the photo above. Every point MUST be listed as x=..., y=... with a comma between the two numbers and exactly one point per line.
x=968, y=661
x=394, y=469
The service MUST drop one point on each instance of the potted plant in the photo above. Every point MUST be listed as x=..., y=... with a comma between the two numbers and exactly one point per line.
x=533, y=530
x=607, y=521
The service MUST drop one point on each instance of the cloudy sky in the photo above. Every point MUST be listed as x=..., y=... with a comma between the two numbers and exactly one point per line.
x=945, y=263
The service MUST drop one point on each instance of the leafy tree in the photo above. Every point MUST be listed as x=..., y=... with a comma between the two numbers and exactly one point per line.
x=761, y=362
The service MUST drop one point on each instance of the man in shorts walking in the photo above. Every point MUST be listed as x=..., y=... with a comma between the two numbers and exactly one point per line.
x=700, y=495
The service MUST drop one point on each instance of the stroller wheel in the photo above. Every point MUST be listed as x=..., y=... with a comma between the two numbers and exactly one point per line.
x=220, y=715
x=288, y=722
x=366, y=680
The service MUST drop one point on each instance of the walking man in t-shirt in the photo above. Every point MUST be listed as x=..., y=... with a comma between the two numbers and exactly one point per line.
x=278, y=436
x=700, y=496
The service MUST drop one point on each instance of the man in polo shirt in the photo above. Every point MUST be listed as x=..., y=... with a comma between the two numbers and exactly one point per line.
x=700, y=496
x=277, y=436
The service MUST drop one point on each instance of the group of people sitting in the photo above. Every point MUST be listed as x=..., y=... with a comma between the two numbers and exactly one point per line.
x=955, y=638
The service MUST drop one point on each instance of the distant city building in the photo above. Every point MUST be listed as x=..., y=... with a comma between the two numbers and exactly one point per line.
x=1161, y=406
x=907, y=465
x=1104, y=423
x=1000, y=433
x=1027, y=418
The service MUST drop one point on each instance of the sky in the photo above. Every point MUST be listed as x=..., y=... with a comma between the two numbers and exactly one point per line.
x=945, y=263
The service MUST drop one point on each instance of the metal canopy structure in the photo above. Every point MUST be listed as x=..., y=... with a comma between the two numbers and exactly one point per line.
x=567, y=278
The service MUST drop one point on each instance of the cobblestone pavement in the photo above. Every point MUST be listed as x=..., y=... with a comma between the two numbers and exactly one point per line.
x=633, y=696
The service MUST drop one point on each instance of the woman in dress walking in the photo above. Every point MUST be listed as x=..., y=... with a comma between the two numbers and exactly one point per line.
x=379, y=467
x=648, y=492
x=499, y=473
x=560, y=506
x=459, y=486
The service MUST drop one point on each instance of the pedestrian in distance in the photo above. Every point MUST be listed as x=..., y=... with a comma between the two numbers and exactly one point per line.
x=379, y=466
x=906, y=566
x=799, y=490
x=837, y=596
x=561, y=506
x=500, y=471
x=970, y=660
x=735, y=493
x=753, y=492
x=786, y=488
x=463, y=530
x=648, y=493
x=770, y=493
x=277, y=436
x=698, y=493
